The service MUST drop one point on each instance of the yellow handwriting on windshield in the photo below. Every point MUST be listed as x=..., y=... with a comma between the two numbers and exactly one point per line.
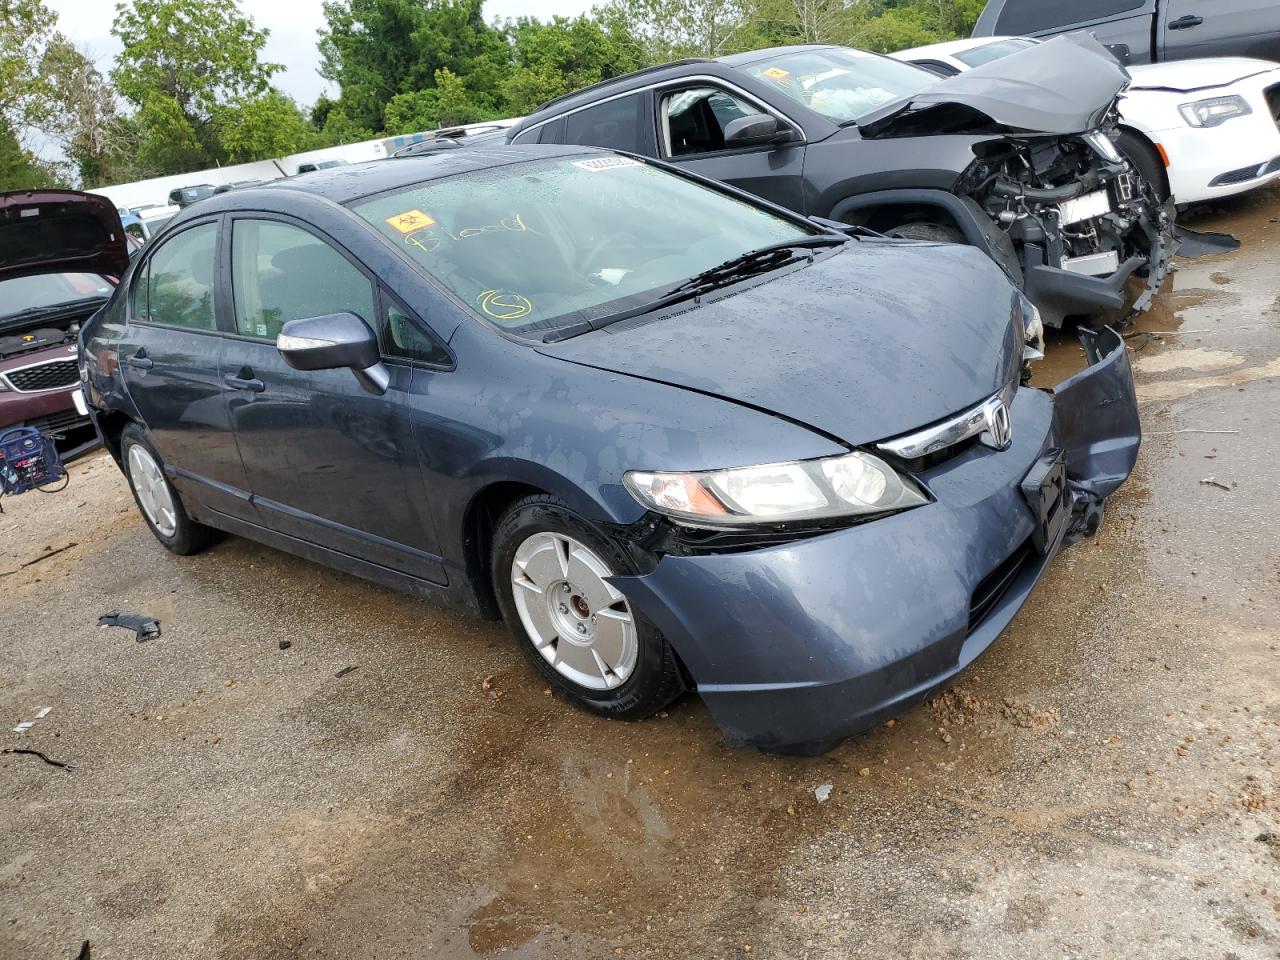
x=512, y=224
x=429, y=240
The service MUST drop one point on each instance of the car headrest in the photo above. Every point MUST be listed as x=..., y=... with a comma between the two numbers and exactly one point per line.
x=297, y=259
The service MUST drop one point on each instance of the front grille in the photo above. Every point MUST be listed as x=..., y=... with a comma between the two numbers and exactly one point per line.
x=1271, y=167
x=993, y=586
x=45, y=376
x=1272, y=94
x=56, y=424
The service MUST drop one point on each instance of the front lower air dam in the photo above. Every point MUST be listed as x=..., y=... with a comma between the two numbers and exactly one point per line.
x=1095, y=414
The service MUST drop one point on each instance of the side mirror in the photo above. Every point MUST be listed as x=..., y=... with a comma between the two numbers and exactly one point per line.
x=334, y=341
x=753, y=130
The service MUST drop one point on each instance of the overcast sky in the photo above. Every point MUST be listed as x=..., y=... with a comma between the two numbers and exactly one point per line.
x=293, y=25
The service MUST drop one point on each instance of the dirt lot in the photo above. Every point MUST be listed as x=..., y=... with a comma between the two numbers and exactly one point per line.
x=1101, y=784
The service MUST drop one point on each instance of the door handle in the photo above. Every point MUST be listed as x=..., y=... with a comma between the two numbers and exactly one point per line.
x=141, y=361
x=1186, y=23
x=250, y=384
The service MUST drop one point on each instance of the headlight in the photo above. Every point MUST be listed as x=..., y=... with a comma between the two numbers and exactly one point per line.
x=844, y=486
x=1033, y=330
x=1215, y=110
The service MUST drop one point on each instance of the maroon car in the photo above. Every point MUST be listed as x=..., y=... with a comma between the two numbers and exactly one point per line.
x=60, y=254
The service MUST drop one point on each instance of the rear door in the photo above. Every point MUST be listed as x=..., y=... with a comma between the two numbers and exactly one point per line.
x=1239, y=28
x=1116, y=23
x=327, y=461
x=169, y=359
x=691, y=120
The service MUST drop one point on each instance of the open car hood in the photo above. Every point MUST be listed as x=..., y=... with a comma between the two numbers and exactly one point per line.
x=60, y=231
x=1062, y=86
x=880, y=339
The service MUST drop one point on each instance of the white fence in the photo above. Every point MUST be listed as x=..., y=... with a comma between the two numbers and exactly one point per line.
x=156, y=190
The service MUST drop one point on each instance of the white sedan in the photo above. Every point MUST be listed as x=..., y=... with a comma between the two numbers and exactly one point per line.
x=1198, y=129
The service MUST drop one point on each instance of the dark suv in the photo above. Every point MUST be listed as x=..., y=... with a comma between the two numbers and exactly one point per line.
x=999, y=158
x=59, y=253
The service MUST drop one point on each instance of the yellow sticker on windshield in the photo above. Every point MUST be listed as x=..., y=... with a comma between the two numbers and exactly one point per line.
x=410, y=221
x=776, y=73
x=502, y=305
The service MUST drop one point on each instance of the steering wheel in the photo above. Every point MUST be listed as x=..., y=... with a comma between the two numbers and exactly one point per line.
x=605, y=242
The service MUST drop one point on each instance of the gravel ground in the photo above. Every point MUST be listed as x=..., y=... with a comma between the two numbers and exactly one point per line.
x=1100, y=784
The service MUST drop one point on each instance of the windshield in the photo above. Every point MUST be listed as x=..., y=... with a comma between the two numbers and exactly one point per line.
x=543, y=244
x=988, y=52
x=840, y=83
x=22, y=294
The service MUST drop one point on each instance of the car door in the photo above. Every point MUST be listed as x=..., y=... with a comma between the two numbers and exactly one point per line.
x=169, y=360
x=691, y=120
x=1239, y=28
x=1124, y=25
x=327, y=461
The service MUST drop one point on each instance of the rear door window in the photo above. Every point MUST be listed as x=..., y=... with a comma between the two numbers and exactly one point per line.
x=614, y=124
x=1032, y=16
x=280, y=272
x=179, y=288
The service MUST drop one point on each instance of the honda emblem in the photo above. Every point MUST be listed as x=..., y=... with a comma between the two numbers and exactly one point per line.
x=999, y=432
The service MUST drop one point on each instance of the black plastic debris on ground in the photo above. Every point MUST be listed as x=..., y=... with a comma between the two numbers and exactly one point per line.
x=28, y=752
x=84, y=951
x=146, y=628
x=345, y=670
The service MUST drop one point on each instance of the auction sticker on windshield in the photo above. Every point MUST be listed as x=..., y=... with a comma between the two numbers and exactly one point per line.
x=596, y=164
x=410, y=221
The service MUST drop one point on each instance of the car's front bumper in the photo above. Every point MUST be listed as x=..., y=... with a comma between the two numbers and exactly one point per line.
x=1206, y=163
x=796, y=646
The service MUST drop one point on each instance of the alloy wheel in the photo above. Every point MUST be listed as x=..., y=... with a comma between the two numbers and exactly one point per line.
x=576, y=620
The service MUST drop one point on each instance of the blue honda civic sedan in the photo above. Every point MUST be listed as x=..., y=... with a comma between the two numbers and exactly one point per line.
x=676, y=437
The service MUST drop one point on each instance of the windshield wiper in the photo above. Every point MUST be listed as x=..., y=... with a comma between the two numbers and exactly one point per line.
x=751, y=263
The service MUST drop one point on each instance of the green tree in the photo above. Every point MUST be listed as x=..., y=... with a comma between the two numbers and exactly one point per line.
x=26, y=27
x=183, y=63
x=563, y=55
x=20, y=169
x=671, y=29
x=269, y=126
x=445, y=104
x=377, y=49
x=86, y=125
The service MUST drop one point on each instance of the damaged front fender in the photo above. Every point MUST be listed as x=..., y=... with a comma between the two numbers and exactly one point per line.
x=1095, y=416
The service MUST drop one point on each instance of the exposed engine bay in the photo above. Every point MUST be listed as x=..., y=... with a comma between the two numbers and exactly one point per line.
x=1073, y=204
x=15, y=340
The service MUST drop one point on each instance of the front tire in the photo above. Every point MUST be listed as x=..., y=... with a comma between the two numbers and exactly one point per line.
x=550, y=569
x=1144, y=158
x=158, y=502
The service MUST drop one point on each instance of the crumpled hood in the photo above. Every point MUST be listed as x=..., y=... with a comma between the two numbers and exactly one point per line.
x=880, y=339
x=1184, y=76
x=60, y=231
x=1062, y=86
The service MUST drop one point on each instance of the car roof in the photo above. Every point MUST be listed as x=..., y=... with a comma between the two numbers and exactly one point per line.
x=353, y=181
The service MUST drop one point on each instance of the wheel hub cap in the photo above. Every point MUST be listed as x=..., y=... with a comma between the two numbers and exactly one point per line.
x=154, y=495
x=580, y=623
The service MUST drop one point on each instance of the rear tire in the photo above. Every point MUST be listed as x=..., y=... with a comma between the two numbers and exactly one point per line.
x=933, y=232
x=577, y=631
x=157, y=500
x=1139, y=152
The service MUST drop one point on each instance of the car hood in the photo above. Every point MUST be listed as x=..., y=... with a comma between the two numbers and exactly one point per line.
x=1183, y=76
x=878, y=340
x=1062, y=86
x=60, y=231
